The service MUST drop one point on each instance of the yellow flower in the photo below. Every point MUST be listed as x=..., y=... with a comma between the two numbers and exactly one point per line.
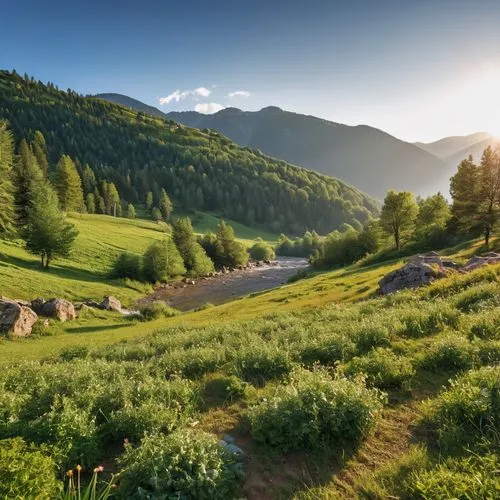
x=69, y=473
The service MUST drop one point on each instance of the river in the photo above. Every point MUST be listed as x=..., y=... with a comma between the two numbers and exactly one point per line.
x=225, y=287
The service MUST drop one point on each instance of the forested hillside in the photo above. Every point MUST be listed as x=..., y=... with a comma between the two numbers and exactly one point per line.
x=201, y=170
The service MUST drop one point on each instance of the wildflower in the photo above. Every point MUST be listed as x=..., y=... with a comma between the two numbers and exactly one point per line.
x=99, y=469
x=69, y=473
x=78, y=468
x=126, y=442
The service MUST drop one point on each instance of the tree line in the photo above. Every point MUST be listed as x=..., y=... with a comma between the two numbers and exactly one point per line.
x=415, y=224
x=142, y=156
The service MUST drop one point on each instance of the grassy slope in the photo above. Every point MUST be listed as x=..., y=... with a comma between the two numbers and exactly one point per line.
x=84, y=274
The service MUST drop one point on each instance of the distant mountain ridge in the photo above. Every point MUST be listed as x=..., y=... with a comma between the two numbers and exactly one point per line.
x=131, y=103
x=447, y=147
x=363, y=156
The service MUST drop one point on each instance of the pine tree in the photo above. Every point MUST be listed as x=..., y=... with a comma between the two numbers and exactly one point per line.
x=489, y=192
x=156, y=214
x=39, y=148
x=6, y=188
x=90, y=203
x=89, y=181
x=149, y=201
x=27, y=178
x=69, y=185
x=47, y=233
x=195, y=259
x=165, y=205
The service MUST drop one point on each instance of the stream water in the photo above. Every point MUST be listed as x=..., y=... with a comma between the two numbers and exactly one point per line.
x=225, y=287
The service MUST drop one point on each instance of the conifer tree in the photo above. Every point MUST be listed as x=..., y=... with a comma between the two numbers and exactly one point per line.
x=39, y=148
x=47, y=233
x=229, y=252
x=165, y=205
x=89, y=181
x=149, y=201
x=6, y=187
x=156, y=214
x=69, y=185
x=27, y=178
x=90, y=203
x=195, y=259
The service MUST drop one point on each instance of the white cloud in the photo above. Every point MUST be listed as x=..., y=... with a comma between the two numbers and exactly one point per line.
x=178, y=95
x=239, y=93
x=207, y=108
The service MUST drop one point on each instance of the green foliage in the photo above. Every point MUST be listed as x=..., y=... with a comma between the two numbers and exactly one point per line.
x=201, y=170
x=228, y=251
x=162, y=261
x=479, y=298
x=326, y=350
x=299, y=247
x=486, y=325
x=433, y=214
x=468, y=410
x=26, y=471
x=429, y=320
x=47, y=233
x=450, y=352
x=315, y=411
x=165, y=205
x=6, y=187
x=195, y=259
x=68, y=185
x=383, y=368
x=127, y=265
x=94, y=489
x=261, y=250
x=186, y=464
x=398, y=215
x=222, y=389
x=131, y=211
x=156, y=310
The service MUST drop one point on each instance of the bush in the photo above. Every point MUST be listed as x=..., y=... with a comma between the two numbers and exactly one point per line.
x=127, y=265
x=186, y=464
x=468, y=410
x=191, y=363
x=314, y=411
x=368, y=337
x=26, y=471
x=156, y=310
x=485, y=325
x=162, y=261
x=261, y=250
x=74, y=352
x=478, y=298
x=258, y=364
x=451, y=352
x=221, y=389
x=423, y=323
x=326, y=351
x=383, y=368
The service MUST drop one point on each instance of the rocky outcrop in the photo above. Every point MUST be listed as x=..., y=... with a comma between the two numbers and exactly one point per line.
x=483, y=260
x=111, y=303
x=60, y=309
x=16, y=319
x=411, y=275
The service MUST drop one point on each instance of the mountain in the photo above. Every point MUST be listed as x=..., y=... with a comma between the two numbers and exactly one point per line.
x=131, y=103
x=450, y=146
x=201, y=170
x=475, y=150
x=363, y=156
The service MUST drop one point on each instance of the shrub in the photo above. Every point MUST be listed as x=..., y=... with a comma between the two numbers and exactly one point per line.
x=258, y=364
x=156, y=310
x=326, y=351
x=469, y=409
x=127, y=265
x=162, y=261
x=191, y=363
x=383, y=368
x=74, y=352
x=489, y=352
x=485, y=325
x=422, y=323
x=261, y=250
x=451, y=352
x=26, y=471
x=221, y=389
x=478, y=298
x=186, y=464
x=314, y=410
x=473, y=478
x=368, y=337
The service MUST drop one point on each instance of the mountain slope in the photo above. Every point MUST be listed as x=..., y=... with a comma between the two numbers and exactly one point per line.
x=202, y=171
x=449, y=146
x=475, y=150
x=131, y=103
x=364, y=156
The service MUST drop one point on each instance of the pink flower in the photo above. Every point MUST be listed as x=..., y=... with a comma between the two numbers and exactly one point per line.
x=99, y=469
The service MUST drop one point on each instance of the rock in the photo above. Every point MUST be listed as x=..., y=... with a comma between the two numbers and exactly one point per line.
x=228, y=438
x=92, y=303
x=37, y=305
x=478, y=261
x=111, y=303
x=428, y=258
x=61, y=309
x=15, y=319
x=411, y=275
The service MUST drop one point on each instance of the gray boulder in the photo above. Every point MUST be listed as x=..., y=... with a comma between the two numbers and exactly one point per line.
x=111, y=303
x=411, y=275
x=16, y=319
x=479, y=261
x=60, y=309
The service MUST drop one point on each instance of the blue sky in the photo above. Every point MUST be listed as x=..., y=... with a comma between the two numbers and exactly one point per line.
x=417, y=69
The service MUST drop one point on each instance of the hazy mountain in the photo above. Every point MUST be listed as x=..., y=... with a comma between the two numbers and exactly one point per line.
x=366, y=157
x=476, y=150
x=131, y=103
x=450, y=146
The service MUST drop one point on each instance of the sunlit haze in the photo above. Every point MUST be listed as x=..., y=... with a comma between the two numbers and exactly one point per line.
x=417, y=70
